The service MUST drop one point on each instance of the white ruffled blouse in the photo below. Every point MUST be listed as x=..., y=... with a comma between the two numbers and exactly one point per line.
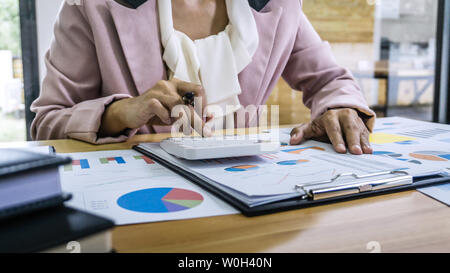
x=215, y=61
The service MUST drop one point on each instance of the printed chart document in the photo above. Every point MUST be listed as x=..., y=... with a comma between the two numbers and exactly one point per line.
x=269, y=178
x=130, y=188
x=422, y=143
x=265, y=179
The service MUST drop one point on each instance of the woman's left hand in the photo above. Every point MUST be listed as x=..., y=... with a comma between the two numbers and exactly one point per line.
x=343, y=127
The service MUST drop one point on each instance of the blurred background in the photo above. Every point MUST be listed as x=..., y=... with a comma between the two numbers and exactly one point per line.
x=389, y=45
x=12, y=114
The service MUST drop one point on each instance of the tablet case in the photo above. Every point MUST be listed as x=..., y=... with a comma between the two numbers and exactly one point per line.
x=288, y=204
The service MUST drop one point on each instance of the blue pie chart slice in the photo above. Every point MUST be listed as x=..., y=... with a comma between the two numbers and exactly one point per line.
x=160, y=200
x=292, y=162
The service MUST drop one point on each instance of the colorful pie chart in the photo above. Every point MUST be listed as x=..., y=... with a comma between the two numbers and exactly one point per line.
x=431, y=155
x=242, y=168
x=292, y=162
x=396, y=156
x=160, y=200
x=298, y=151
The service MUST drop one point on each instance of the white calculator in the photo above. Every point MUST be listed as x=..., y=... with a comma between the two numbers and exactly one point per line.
x=198, y=148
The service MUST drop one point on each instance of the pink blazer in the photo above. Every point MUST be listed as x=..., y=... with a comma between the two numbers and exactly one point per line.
x=103, y=51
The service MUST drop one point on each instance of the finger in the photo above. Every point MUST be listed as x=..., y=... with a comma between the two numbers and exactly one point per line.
x=297, y=135
x=334, y=133
x=182, y=88
x=209, y=117
x=307, y=131
x=190, y=120
x=199, y=124
x=296, y=130
x=170, y=100
x=185, y=87
x=209, y=125
x=186, y=120
x=314, y=130
x=352, y=133
x=159, y=110
x=156, y=121
x=365, y=142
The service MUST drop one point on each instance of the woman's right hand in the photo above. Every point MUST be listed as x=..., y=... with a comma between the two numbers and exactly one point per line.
x=153, y=108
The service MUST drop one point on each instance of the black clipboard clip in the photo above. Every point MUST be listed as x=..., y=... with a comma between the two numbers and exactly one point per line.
x=400, y=178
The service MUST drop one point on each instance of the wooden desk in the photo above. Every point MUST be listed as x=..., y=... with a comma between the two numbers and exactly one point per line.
x=401, y=222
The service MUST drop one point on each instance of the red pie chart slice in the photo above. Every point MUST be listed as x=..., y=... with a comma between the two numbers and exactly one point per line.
x=180, y=194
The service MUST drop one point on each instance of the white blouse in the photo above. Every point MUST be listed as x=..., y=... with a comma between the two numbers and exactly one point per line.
x=215, y=61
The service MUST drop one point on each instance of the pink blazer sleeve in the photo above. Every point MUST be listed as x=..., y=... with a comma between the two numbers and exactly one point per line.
x=312, y=69
x=70, y=104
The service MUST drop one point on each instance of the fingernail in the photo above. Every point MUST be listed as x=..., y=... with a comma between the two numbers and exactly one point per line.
x=356, y=149
x=341, y=148
x=368, y=149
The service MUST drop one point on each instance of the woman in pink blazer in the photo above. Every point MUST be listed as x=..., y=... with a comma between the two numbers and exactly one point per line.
x=107, y=80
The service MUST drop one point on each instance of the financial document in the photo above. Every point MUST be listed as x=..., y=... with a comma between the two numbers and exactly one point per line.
x=425, y=144
x=268, y=178
x=130, y=188
x=399, y=145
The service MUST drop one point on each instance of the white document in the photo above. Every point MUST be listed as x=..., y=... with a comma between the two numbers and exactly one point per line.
x=416, y=142
x=425, y=144
x=128, y=188
x=268, y=178
x=440, y=193
x=398, y=143
x=414, y=129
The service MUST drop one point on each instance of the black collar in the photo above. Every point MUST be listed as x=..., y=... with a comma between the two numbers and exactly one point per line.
x=255, y=4
x=258, y=5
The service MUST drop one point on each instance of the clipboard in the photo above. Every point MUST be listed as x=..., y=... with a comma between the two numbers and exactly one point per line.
x=327, y=193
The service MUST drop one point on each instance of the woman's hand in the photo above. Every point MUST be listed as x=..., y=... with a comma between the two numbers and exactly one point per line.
x=153, y=107
x=343, y=127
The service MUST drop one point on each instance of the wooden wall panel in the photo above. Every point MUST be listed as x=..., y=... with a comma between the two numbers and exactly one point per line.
x=341, y=21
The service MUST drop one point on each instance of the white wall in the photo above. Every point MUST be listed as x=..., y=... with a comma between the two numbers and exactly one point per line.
x=46, y=14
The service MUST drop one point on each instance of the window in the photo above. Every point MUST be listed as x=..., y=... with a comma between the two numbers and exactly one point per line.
x=390, y=47
x=12, y=108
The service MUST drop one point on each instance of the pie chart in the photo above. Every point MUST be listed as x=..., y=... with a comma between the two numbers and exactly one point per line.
x=396, y=156
x=242, y=168
x=431, y=155
x=292, y=162
x=160, y=200
x=298, y=151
